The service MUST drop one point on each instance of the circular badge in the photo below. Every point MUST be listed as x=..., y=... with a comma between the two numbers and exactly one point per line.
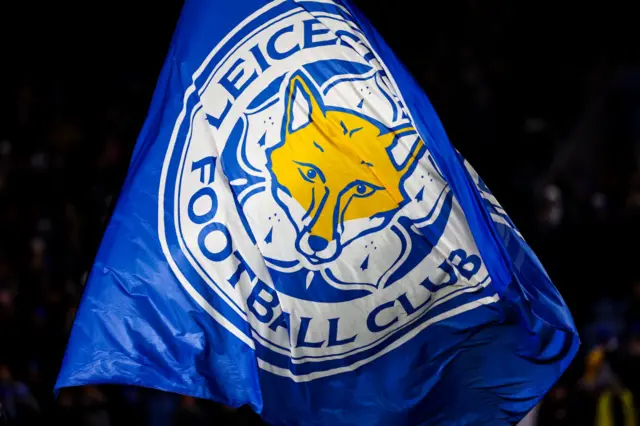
x=299, y=205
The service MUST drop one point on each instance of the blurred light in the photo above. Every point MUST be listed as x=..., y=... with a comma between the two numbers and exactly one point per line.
x=44, y=225
x=39, y=161
x=598, y=201
x=535, y=125
x=5, y=148
x=5, y=298
x=38, y=245
x=552, y=193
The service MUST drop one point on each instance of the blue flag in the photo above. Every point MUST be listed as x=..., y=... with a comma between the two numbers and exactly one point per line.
x=296, y=233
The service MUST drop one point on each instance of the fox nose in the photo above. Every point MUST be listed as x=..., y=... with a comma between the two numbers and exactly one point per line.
x=317, y=243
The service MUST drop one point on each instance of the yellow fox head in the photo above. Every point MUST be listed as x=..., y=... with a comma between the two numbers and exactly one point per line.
x=338, y=167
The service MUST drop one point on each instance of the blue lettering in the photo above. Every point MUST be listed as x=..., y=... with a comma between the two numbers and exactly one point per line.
x=333, y=334
x=302, y=335
x=347, y=34
x=408, y=307
x=216, y=122
x=368, y=56
x=372, y=324
x=271, y=45
x=451, y=274
x=281, y=321
x=232, y=85
x=310, y=32
x=268, y=304
x=242, y=267
x=466, y=265
x=260, y=59
x=208, y=230
x=203, y=218
x=201, y=165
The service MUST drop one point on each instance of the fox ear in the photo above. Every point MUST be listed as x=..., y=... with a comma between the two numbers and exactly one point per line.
x=303, y=104
x=392, y=136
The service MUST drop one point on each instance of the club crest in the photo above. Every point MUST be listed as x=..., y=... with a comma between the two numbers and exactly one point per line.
x=299, y=204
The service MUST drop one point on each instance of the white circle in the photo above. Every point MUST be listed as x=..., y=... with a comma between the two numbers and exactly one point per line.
x=215, y=241
x=202, y=206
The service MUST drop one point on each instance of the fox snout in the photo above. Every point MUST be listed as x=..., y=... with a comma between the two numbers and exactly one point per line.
x=318, y=249
x=319, y=238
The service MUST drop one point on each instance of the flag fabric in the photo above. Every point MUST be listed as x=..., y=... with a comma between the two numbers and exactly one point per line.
x=297, y=233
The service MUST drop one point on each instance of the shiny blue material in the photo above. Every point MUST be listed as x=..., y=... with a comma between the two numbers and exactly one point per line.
x=136, y=324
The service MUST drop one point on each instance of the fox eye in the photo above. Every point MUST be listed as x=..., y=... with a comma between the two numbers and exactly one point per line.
x=364, y=189
x=309, y=172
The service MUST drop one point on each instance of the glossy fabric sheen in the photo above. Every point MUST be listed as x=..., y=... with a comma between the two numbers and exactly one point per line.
x=141, y=323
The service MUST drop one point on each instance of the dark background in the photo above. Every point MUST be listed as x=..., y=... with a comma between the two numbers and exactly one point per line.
x=543, y=98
